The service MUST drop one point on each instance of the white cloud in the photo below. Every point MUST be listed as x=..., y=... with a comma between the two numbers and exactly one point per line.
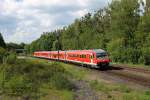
x=26, y=20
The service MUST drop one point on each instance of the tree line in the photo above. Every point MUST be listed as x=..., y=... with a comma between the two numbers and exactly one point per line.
x=10, y=46
x=121, y=28
x=8, y=51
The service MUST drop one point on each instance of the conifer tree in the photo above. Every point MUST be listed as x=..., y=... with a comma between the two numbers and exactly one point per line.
x=2, y=42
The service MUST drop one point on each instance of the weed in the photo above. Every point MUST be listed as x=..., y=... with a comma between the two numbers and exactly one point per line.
x=25, y=78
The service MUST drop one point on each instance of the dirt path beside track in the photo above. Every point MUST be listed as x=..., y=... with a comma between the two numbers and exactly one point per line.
x=85, y=92
x=121, y=75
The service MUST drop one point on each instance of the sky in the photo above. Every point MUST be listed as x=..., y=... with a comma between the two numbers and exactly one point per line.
x=25, y=20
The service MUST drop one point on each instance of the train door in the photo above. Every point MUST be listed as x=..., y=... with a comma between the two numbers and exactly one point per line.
x=91, y=58
x=65, y=55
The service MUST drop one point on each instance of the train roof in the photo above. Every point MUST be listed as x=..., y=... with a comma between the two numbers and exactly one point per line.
x=99, y=50
x=42, y=51
x=85, y=51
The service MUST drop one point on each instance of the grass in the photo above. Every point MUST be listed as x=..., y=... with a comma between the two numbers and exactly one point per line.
x=35, y=78
x=108, y=91
x=53, y=80
x=58, y=95
x=113, y=91
x=77, y=73
x=74, y=72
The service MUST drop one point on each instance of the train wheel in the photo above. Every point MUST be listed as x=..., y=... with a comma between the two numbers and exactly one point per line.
x=104, y=66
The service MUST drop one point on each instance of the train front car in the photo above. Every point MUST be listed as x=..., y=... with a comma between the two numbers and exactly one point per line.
x=102, y=58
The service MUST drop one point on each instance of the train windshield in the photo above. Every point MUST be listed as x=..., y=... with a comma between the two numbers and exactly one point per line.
x=101, y=55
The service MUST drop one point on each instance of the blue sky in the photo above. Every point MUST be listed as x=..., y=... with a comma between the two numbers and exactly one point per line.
x=26, y=20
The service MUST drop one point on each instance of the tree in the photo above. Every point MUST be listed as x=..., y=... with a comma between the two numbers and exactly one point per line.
x=2, y=42
x=124, y=20
x=13, y=46
x=2, y=54
x=143, y=35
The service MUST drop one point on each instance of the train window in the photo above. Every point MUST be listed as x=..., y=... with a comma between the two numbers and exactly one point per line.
x=83, y=56
x=80, y=56
x=101, y=55
x=76, y=55
x=71, y=55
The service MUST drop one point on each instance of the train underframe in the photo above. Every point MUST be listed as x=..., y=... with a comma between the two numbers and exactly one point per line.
x=101, y=65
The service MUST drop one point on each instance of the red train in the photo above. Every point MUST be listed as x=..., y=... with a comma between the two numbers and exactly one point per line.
x=97, y=57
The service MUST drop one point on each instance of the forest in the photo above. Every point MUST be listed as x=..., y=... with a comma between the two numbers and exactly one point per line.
x=121, y=28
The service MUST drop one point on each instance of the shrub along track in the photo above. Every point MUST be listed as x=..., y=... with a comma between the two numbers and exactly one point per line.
x=139, y=76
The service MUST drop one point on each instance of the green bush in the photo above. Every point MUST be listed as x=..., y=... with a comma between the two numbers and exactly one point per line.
x=61, y=82
x=117, y=50
x=11, y=58
x=2, y=54
x=146, y=55
x=7, y=57
x=27, y=78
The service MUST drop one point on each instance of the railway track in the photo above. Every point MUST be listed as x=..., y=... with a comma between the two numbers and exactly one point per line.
x=131, y=77
x=134, y=75
x=126, y=67
x=139, y=76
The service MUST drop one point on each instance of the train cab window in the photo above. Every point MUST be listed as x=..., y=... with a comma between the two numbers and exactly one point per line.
x=101, y=55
